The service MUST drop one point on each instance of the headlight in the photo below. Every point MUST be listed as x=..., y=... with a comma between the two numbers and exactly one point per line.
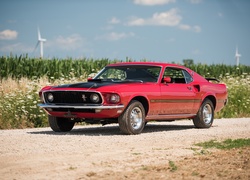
x=95, y=98
x=114, y=98
x=50, y=97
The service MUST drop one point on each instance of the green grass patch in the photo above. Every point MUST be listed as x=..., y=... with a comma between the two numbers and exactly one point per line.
x=227, y=144
x=172, y=166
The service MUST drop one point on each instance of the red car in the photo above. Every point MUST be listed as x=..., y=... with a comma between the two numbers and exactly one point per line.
x=132, y=94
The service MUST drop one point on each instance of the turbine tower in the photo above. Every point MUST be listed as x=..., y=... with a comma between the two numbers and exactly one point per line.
x=237, y=57
x=40, y=41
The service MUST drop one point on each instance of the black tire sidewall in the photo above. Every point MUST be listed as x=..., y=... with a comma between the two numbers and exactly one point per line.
x=198, y=120
x=59, y=124
x=125, y=122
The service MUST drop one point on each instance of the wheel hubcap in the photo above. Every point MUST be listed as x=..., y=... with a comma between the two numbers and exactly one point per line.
x=207, y=114
x=136, y=118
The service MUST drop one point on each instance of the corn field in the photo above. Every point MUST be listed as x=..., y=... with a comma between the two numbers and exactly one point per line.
x=25, y=67
x=22, y=77
x=22, y=66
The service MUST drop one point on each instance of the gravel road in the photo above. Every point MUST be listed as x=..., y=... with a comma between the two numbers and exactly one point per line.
x=88, y=151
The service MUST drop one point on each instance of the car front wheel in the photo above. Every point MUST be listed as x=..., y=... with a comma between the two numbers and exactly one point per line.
x=132, y=120
x=59, y=124
x=205, y=115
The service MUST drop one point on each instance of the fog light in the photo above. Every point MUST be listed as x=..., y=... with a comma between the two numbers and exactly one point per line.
x=98, y=110
x=50, y=97
x=119, y=111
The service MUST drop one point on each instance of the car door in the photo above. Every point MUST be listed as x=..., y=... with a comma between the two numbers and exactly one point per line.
x=177, y=94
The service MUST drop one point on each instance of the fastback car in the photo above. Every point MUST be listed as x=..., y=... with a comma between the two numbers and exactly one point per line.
x=132, y=94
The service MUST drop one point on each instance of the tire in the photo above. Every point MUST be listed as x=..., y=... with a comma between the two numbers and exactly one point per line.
x=132, y=120
x=59, y=124
x=205, y=115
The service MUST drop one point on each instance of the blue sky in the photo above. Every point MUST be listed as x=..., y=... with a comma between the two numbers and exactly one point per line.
x=206, y=31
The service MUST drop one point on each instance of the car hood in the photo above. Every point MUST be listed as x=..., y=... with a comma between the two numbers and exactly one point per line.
x=96, y=85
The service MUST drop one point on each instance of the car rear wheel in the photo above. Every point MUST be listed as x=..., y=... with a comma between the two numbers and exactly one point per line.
x=59, y=124
x=132, y=120
x=205, y=115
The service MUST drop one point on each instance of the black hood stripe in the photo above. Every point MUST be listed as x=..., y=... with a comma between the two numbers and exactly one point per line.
x=94, y=85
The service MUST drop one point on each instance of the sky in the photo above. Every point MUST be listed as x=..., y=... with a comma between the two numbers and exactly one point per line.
x=207, y=31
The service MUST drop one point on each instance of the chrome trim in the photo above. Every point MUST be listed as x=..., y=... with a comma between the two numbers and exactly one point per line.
x=97, y=92
x=168, y=116
x=179, y=115
x=81, y=107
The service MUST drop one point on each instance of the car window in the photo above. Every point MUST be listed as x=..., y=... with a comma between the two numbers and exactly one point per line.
x=178, y=75
x=187, y=76
x=113, y=73
x=135, y=72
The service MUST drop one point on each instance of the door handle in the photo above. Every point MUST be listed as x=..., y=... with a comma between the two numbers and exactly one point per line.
x=189, y=88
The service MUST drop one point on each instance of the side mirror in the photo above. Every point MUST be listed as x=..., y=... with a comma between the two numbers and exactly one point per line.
x=167, y=79
x=89, y=78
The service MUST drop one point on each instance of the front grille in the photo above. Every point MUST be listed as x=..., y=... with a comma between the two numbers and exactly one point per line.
x=70, y=97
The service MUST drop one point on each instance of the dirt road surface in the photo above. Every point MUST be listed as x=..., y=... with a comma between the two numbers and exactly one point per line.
x=164, y=150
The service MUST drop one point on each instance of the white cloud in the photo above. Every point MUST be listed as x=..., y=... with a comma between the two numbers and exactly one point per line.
x=153, y=2
x=186, y=27
x=168, y=18
x=17, y=47
x=197, y=29
x=114, y=36
x=8, y=34
x=71, y=42
x=114, y=20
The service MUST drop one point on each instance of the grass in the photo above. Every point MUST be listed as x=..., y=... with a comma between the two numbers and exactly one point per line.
x=19, y=99
x=227, y=144
x=172, y=166
x=238, y=97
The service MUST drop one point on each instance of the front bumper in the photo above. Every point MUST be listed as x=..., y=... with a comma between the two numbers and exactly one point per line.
x=83, y=111
x=81, y=107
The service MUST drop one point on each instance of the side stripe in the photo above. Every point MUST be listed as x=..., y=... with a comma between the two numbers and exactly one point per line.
x=175, y=100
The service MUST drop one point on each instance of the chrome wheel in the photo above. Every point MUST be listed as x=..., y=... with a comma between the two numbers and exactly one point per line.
x=136, y=118
x=207, y=114
x=132, y=120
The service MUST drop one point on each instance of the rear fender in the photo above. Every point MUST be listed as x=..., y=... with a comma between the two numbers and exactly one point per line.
x=211, y=97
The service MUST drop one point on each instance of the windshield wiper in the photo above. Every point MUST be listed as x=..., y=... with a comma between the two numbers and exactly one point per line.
x=132, y=80
x=115, y=80
x=103, y=80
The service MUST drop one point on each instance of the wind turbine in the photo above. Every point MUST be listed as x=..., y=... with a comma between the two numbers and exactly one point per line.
x=40, y=41
x=237, y=57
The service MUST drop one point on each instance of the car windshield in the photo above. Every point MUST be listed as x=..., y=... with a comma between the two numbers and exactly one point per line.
x=130, y=73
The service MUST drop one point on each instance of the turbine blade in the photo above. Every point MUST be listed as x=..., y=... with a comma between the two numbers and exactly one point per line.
x=37, y=44
x=39, y=35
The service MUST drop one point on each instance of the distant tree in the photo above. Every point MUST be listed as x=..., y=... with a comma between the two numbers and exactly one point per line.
x=188, y=62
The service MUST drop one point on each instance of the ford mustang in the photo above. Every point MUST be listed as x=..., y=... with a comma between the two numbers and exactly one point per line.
x=132, y=94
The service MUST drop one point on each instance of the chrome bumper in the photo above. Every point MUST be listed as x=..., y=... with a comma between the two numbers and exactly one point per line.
x=81, y=107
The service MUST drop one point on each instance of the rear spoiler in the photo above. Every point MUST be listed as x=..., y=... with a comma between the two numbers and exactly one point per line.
x=213, y=79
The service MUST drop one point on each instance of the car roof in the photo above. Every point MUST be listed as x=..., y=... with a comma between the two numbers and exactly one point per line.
x=147, y=64
x=160, y=64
